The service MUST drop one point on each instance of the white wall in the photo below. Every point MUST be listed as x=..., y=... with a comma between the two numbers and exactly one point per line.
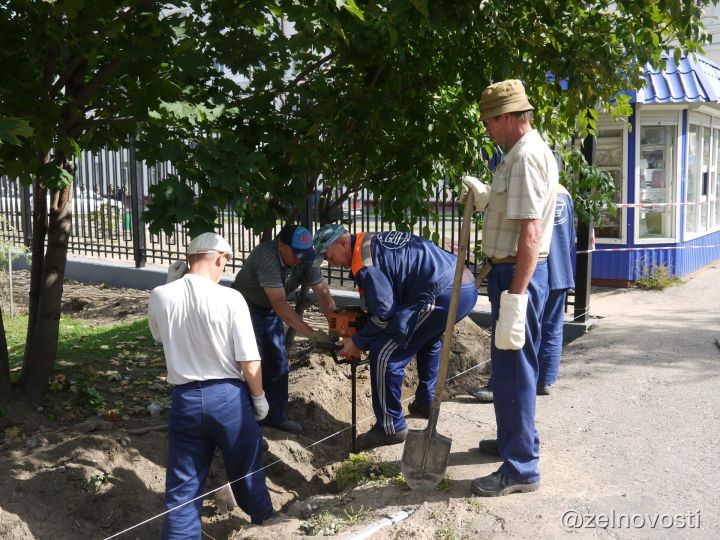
x=711, y=20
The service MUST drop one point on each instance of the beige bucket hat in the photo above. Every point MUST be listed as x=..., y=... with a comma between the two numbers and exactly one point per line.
x=503, y=97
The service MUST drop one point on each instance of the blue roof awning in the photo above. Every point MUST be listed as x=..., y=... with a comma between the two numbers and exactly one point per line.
x=694, y=79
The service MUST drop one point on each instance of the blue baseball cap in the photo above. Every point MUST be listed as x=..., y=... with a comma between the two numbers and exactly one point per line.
x=300, y=241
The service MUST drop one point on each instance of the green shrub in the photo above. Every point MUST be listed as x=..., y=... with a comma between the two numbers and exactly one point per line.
x=85, y=395
x=657, y=277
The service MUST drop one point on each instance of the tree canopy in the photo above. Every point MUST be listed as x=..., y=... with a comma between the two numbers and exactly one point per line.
x=259, y=103
x=384, y=96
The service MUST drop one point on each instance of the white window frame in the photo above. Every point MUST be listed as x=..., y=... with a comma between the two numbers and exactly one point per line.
x=713, y=123
x=665, y=117
x=605, y=123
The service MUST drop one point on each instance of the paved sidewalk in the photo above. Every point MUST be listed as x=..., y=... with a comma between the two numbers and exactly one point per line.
x=629, y=438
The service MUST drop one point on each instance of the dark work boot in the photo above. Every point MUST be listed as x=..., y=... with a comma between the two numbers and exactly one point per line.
x=544, y=389
x=419, y=410
x=377, y=437
x=483, y=394
x=489, y=447
x=498, y=484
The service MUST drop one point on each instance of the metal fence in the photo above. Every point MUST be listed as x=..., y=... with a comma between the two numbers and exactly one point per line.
x=111, y=191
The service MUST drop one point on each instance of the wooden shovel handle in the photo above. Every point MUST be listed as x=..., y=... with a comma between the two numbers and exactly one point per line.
x=454, y=300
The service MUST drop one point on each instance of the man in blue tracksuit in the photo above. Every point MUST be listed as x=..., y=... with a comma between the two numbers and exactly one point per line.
x=560, y=278
x=405, y=283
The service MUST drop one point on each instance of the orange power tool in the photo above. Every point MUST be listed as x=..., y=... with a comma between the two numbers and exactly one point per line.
x=345, y=323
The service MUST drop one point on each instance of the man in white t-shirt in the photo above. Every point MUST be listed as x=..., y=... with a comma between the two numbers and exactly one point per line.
x=213, y=362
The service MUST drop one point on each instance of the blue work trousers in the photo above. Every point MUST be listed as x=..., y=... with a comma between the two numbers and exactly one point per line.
x=206, y=415
x=388, y=360
x=515, y=376
x=553, y=320
x=270, y=336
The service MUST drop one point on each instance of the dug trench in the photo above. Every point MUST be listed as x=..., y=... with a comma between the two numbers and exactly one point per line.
x=67, y=475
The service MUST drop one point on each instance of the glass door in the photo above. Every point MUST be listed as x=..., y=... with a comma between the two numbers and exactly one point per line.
x=656, y=181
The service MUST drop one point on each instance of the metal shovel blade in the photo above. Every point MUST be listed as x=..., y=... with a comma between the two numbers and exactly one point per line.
x=425, y=456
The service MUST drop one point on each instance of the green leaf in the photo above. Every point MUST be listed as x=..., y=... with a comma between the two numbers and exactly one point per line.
x=393, y=36
x=350, y=6
x=73, y=7
x=11, y=128
x=54, y=177
x=422, y=7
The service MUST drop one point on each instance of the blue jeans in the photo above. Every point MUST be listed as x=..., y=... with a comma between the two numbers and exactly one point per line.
x=515, y=377
x=205, y=415
x=270, y=336
x=552, y=336
x=388, y=360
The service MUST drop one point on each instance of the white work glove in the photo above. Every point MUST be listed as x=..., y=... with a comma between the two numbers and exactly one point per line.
x=176, y=271
x=480, y=191
x=261, y=406
x=510, y=326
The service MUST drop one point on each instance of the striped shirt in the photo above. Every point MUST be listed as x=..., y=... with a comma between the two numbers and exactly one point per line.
x=264, y=268
x=523, y=187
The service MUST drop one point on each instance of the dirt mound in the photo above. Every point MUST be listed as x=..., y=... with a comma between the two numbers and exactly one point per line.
x=96, y=477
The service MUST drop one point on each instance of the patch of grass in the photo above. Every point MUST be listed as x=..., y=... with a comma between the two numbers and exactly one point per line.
x=95, y=482
x=327, y=523
x=355, y=515
x=445, y=483
x=657, y=278
x=361, y=468
x=80, y=342
x=15, y=333
x=322, y=524
x=474, y=503
x=113, y=370
x=86, y=395
x=446, y=533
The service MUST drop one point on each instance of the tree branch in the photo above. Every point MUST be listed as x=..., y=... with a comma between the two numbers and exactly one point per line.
x=76, y=64
x=49, y=67
x=85, y=125
x=304, y=73
x=86, y=91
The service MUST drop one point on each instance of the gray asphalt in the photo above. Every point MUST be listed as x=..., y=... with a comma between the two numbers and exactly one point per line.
x=630, y=437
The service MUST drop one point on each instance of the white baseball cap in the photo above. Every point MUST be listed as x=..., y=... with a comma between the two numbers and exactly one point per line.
x=207, y=243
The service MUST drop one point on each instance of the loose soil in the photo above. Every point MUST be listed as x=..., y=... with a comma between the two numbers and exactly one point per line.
x=68, y=473
x=628, y=441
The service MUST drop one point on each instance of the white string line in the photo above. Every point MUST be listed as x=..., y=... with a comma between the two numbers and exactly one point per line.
x=644, y=248
x=269, y=465
x=653, y=204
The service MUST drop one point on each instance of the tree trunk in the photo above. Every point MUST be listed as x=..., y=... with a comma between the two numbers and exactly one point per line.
x=37, y=252
x=5, y=386
x=43, y=335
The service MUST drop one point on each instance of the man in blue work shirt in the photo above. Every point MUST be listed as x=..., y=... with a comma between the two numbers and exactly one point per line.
x=561, y=272
x=405, y=284
x=272, y=271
